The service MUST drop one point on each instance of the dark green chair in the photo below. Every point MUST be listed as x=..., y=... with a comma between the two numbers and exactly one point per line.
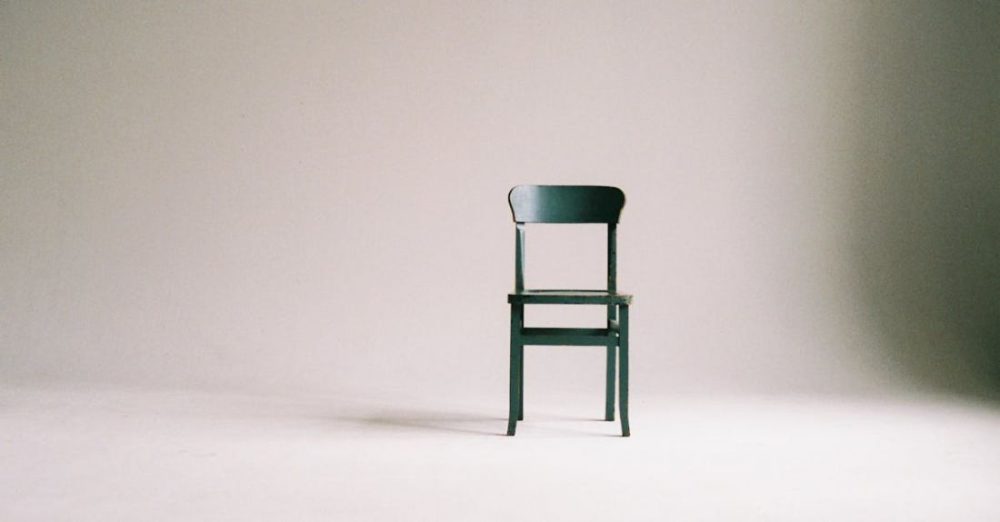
x=569, y=204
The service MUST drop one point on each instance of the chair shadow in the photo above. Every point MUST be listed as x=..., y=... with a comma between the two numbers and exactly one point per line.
x=433, y=421
x=450, y=422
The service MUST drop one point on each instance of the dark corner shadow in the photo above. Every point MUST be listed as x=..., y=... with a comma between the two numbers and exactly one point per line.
x=925, y=196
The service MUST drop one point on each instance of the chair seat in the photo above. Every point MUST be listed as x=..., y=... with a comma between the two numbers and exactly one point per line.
x=599, y=297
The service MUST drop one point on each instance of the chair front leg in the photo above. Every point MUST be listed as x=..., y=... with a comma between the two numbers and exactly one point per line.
x=609, y=385
x=520, y=382
x=516, y=361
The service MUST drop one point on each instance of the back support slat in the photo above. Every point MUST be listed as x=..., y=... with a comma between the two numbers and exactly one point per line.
x=566, y=204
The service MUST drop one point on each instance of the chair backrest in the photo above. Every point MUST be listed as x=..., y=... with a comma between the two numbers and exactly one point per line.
x=566, y=204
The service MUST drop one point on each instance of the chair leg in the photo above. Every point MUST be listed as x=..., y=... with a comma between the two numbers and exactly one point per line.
x=515, y=388
x=520, y=382
x=609, y=387
x=516, y=359
x=623, y=370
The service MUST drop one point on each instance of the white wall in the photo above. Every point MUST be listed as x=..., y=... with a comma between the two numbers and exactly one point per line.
x=312, y=195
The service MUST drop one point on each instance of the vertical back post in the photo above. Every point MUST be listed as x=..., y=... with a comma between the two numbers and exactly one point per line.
x=519, y=258
x=612, y=267
x=612, y=257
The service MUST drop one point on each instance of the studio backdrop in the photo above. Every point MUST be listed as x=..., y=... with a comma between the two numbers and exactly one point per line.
x=312, y=195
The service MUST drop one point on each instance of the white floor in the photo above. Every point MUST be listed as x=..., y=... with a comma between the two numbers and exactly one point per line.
x=102, y=455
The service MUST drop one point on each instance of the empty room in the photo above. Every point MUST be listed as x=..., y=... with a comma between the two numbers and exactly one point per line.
x=475, y=261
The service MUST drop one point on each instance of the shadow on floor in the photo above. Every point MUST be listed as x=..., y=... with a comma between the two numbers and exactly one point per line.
x=472, y=424
x=436, y=421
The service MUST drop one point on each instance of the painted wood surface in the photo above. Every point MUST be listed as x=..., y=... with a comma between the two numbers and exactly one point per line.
x=569, y=204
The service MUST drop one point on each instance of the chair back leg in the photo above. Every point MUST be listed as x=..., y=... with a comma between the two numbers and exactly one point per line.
x=623, y=368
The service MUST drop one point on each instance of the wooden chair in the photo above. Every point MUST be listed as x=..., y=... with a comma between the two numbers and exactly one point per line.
x=568, y=204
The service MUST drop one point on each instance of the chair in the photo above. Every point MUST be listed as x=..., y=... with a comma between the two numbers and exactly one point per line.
x=568, y=204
